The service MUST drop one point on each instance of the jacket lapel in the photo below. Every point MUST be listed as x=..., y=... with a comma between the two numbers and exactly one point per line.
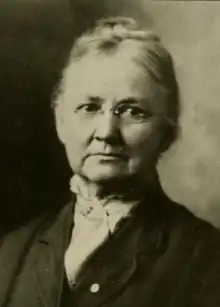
x=49, y=257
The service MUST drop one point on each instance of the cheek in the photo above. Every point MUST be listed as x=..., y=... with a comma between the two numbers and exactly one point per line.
x=75, y=132
x=143, y=142
x=75, y=139
x=137, y=136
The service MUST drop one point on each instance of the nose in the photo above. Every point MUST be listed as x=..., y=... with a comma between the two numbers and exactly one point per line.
x=107, y=127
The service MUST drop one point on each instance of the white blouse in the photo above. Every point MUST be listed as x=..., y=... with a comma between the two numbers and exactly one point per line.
x=94, y=221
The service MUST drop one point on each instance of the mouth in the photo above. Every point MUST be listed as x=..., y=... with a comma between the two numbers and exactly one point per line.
x=108, y=156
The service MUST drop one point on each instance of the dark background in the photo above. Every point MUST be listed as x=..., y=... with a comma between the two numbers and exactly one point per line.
x=35, y=38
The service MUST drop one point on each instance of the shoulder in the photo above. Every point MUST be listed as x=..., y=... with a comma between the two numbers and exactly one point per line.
x=187, y=227
x=200, y=242
x=18, y=238
x=20, y=235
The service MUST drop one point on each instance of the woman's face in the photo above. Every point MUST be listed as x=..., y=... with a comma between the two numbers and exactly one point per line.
x=110, y=119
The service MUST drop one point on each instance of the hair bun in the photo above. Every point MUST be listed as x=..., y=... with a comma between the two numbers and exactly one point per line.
x=111, y=22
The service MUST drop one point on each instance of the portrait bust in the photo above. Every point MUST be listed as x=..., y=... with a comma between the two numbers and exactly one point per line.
x=120, y=241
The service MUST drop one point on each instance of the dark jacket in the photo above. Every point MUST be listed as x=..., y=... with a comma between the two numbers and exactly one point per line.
x=161, y=257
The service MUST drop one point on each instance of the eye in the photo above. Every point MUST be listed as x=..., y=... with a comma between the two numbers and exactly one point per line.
x=132, y=112
x=88, y=108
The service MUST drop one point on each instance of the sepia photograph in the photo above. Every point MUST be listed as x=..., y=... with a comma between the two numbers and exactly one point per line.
x=110, y=151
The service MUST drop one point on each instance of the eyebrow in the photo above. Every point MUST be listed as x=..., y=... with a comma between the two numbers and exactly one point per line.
x=127, y=100
x=141, y=101
x=95, y=99
x=130, y=100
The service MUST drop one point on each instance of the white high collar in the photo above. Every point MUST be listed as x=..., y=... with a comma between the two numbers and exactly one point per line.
x=93, y=209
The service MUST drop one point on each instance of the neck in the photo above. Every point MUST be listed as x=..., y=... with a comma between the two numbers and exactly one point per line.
x=122, y=188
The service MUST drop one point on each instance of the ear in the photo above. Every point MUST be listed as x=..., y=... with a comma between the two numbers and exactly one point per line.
x=59, y=122
x=168, y=139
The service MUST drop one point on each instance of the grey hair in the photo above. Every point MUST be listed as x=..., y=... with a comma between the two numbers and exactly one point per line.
x=108, y=34
x=106, y=37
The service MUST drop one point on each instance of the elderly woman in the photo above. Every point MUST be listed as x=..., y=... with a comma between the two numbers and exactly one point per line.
x=120, y=242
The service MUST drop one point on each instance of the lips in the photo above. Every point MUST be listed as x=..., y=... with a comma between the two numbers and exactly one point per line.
x=108, y=155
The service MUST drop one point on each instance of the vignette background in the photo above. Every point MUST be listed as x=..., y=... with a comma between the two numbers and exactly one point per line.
x=35, y=38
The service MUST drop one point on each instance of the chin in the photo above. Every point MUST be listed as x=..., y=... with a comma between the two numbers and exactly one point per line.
x=104, y=175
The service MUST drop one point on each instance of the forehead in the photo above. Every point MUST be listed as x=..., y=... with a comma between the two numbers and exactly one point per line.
x=113, y=74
